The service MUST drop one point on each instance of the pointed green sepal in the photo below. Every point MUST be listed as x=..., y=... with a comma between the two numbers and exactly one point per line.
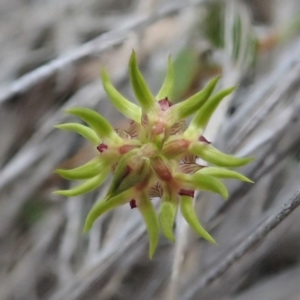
x=188, y=107
x=168, y=209
x=86, y=187
x=104, y=206
x=218, y=158
x=124, y=106
x=139, y=85
x=149, y=215
x=206, y=183
x=188, y=212
x=167, y=87
x=130, y=171
x=88, y=170
x=200, y=120
x=84, y=131
x=223, y=173
x=97, y=122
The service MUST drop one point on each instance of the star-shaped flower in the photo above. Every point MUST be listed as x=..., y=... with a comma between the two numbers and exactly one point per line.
x=156, y=156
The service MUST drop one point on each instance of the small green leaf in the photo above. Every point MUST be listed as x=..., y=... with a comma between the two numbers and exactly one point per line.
x=223, y=173
x=88, y=170
x=139, y=85
x=86, y=187
x=188, y=212
x=104, y=206
x=218, y=158
x=167, y=87
x=124, y=106
x=149, y=215
x=200, y=120
x=188, y=107
x=206, y=183
x=168, y=209
x=85, y=131
x=97, y=122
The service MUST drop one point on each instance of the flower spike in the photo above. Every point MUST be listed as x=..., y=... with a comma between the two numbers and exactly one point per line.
x=99, y=124
x=188, y=212
x=124, y=106
x=200, y=120
x=104, y=206
x=223, y=173
x=168, y=85
x=149, y=215
x=139, y=85
x=85, y=187
x=206, y=183
x=191, y=105
x=218, y=158
x=168, y=209
x=84, y=131
x=155, y=156
x=88, y=170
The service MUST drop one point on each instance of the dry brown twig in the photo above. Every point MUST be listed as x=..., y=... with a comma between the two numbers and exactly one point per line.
x=92, y=48
x=245, y=246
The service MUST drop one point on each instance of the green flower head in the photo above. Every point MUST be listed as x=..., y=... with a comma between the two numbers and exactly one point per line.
x=156, y=156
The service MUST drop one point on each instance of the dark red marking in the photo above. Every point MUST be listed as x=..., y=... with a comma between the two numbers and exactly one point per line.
x=132, y=204
x=165, y=104
x=102, y=147
x=204, y=140
x=189, y=193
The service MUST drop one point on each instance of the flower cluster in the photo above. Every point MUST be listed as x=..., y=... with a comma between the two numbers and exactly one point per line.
x=156, y=156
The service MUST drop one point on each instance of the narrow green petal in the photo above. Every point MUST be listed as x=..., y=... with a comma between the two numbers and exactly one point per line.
x=85, y=131
x=188, y=212
x=88, y=170
x=124, y=106
x=167, y=87
x=167, y=215
x=139, y=85
x=97, y=122
x=188, y=107
x=86, y=187
x=149, y=215
x=104, y=206
x=206, y=183
x=223, y=173
x=203, y=115
x=218, y=158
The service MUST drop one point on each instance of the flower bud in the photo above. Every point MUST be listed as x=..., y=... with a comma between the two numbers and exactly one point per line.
x=175, y=147
x=162, y=170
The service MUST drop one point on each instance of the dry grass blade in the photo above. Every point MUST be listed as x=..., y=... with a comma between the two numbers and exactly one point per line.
x=90, y=49
x=253, y=239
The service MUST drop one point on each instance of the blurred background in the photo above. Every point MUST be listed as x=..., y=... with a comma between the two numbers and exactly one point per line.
x=51, y=52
